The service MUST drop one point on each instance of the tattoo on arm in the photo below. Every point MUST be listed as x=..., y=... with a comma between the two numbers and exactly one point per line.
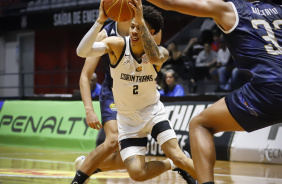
x=150, y=47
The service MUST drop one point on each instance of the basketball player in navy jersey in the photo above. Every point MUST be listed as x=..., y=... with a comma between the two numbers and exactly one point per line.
x=137, y=100
x=253, y=32
x=103, y=157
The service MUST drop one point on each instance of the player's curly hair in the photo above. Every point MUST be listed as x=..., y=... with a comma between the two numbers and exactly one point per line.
x=153, y=17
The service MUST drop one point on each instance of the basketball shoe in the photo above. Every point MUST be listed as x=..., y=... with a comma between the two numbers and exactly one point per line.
x=185, y=175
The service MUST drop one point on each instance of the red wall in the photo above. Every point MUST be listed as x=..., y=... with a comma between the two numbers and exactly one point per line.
x=57, y=66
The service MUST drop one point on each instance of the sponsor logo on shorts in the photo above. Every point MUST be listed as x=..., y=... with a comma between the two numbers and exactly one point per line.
x=156, y=113
x=113, y=107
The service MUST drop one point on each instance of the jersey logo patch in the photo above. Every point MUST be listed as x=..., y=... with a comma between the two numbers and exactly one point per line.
x=139, y=69
x=126, y=63
x=145, y=59
x=113, y=32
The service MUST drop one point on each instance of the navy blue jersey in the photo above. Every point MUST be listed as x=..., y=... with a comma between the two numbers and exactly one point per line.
x=111, y=30
x=107, y=104
x=255, y=41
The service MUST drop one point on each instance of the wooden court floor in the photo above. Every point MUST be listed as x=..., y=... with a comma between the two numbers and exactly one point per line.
x=40, y=166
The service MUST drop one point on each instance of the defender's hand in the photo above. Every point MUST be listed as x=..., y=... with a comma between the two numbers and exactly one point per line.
x=92, y=120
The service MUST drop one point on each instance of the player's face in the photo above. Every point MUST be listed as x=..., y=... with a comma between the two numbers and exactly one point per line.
x=134, y=32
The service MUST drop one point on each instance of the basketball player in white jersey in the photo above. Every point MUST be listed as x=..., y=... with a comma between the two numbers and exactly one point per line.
x=104, y=157
x=139, y=110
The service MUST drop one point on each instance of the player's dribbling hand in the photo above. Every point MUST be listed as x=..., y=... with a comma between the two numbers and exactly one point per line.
x=93, y=121
x=102, y=15
x=137, y=7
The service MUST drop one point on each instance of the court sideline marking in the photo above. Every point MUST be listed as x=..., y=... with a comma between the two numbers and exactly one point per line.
x=50, y=176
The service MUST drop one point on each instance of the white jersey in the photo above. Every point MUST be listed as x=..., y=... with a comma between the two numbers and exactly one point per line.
x=134, y=86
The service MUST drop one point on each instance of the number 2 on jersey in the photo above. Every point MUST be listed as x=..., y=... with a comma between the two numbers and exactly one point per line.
x=270, y=35
x=135, y=89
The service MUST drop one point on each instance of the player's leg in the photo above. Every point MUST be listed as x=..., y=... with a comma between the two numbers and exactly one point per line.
x=215, y=118
x=172, y=151
x=132, y=144
x=103, y=151
x=98, y=155
x=113, y=162
x=164, y=135
x=139, y=170
x=133, y=151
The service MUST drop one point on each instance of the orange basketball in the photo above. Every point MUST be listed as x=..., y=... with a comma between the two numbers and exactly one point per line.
x=118, y=10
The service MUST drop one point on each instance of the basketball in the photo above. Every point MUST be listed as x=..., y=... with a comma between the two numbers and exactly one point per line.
x=118, y=10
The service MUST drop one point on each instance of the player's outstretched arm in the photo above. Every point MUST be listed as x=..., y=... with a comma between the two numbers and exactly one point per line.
x=219, y=10
x=86, y=48
x=89, y=67
x=199, y=8
x=84, y=84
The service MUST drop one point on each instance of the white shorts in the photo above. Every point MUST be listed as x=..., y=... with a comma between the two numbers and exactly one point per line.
x=134, y=128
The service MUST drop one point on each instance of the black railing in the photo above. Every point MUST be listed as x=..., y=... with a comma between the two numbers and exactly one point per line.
x=66, y=83
x=30, y=83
